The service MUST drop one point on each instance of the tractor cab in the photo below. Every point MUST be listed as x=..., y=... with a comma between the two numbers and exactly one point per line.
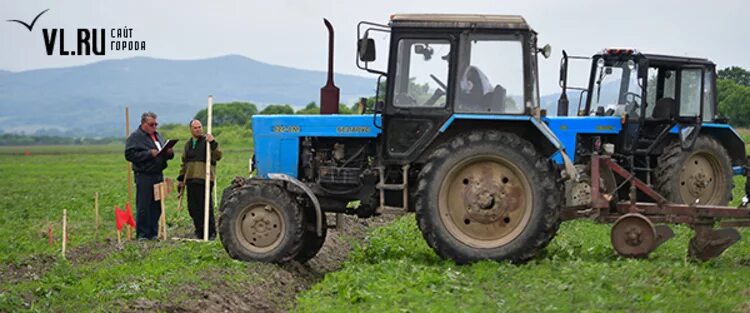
x=441, y=65
x=654, y=94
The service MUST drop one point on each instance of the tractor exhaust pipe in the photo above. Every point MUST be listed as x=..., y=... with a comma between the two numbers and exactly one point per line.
x=329, y=94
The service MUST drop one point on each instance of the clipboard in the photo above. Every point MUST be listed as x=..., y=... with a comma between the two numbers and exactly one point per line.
x=169, y=144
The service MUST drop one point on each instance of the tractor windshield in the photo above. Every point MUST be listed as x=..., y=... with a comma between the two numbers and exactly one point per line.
x=615, y=89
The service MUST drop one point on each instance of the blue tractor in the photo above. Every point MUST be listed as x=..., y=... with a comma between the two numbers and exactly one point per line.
x=459, y=138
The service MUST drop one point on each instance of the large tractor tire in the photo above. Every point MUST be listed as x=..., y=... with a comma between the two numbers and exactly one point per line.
x=311, y=242
x=488, y=195
x=261, y=222
x=703, y=173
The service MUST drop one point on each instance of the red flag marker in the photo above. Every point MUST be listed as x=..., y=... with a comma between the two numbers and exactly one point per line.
x=129, y=212
x=121, y=218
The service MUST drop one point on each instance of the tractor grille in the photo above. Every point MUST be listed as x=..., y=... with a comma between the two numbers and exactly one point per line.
x=340, y=175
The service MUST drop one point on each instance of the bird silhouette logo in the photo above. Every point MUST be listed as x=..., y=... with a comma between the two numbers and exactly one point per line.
x=29, y=27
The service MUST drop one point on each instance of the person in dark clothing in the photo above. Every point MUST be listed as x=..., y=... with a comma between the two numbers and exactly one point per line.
x=142, y=150
x=193, y=177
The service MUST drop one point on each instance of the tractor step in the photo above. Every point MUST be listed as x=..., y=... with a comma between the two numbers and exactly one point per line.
x=391, y=186
x=404, y=186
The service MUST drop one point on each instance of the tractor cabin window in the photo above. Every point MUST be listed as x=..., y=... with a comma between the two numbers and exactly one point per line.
x=421, y=73
x=708, y=96
x=662, y=83
x=690, y=92
x=490, y=75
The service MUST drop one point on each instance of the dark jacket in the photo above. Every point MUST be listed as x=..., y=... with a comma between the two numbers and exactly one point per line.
x=193, y=167
x=137, y=151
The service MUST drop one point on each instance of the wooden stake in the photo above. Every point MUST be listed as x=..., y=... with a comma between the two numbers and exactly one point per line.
x=130, y=172
x=50, y=238
x=182, y=193
x=207, y=194
x=119, y=240
x=216, y=178
x=64, y=231
x=96, y=214
x=163, y=211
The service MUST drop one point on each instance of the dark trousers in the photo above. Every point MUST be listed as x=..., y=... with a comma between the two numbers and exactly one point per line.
x=196, y=192
x=148, y=211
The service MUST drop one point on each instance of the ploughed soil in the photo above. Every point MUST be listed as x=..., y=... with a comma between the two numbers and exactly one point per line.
x=272, y=289
x=35, y=266
x=275, y=286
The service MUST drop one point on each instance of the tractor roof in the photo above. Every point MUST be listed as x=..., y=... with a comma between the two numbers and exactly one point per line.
x=515, y=22
x=659, y=58
x=677, y=59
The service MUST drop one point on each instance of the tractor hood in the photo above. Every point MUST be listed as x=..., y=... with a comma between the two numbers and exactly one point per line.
x=277, y=137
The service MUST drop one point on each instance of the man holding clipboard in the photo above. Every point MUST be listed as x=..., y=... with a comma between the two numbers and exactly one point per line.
x=147, y=150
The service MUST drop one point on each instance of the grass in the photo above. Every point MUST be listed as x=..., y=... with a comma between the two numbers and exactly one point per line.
x=39, y=185
x=395, y=270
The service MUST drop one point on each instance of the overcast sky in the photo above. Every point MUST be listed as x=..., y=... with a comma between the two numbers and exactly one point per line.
x=291, y=33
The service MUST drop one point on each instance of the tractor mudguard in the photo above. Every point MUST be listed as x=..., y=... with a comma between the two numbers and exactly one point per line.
x=728, y=137
x=310, y=194
x=553, y=143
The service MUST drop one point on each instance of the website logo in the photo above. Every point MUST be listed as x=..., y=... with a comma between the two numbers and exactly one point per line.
x=86, y=41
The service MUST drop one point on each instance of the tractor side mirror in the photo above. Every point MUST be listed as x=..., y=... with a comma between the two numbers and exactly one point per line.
x=546, y=51
x=563, y=69
x=425, y=50
x=366, y=49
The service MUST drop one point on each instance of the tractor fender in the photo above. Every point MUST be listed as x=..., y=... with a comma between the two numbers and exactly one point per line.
x=310, y=194
x=728, y=137
x=528, y=127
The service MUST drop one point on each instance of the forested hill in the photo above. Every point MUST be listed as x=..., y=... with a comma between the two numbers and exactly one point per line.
x=90, y=99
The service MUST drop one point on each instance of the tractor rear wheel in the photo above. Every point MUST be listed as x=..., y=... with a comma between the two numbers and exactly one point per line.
x=261, y=222
x=488, y=195
x=703, y=173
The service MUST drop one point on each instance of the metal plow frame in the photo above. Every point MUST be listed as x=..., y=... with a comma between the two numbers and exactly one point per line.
x=639, y=226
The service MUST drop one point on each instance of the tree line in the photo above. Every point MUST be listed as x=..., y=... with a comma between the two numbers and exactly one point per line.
x=240, y=113
x=733, y=95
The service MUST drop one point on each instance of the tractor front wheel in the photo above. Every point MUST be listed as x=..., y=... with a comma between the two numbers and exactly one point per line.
x=261, y=222
x=488, y=195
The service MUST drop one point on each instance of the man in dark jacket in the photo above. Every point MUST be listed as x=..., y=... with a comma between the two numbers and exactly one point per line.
x=142, y=149
x=193, y=176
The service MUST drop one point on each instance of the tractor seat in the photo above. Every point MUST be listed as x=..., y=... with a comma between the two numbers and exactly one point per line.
x=664, y=109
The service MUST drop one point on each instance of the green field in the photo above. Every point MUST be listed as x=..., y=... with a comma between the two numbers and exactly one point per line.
x=393, y=270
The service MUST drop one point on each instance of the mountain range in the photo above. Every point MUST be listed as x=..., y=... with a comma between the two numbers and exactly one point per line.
x=89, y=100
